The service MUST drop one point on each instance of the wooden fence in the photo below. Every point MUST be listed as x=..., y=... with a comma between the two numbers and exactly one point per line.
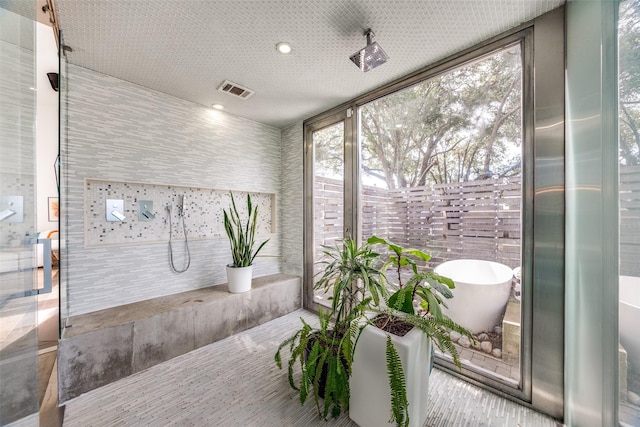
x=629, y=188
x=477, y=219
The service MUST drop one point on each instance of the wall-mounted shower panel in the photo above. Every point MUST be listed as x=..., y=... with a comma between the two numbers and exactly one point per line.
x=11, y=209
x=145, y=210
x=115, y=210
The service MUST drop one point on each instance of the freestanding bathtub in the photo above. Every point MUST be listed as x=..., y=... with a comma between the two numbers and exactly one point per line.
x=481, y=293
x=629, y=319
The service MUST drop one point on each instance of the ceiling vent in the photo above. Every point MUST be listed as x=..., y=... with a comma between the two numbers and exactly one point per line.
x=235, y=89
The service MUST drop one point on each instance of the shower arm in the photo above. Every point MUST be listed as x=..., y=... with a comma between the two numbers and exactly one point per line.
x=369, y=35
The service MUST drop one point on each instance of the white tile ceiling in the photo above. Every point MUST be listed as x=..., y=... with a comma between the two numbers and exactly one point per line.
x=186, y=48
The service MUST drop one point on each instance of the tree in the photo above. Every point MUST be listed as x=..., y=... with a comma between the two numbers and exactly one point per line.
x=401, y=132
x=629, y=82
x=461, y=125
x=492, y=147
x=328, y=144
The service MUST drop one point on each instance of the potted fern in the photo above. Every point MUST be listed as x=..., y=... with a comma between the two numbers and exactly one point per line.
x=242, y=240
x=392, y=358
x=324, y=355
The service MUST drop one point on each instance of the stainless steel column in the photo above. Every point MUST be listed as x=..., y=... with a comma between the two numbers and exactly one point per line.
x=547, y=286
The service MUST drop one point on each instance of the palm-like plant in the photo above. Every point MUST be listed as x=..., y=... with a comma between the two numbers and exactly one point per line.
x=242, y=236
x=350, y=275
x=325, y=355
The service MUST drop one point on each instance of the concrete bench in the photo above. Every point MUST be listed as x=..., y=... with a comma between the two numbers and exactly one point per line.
x=106, y=345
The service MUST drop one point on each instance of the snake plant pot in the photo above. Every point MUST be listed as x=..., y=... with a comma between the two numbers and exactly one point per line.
x=239, y=279
x=370, y=399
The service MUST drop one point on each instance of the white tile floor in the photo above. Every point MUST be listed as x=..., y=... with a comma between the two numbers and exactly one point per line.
x=235, y=382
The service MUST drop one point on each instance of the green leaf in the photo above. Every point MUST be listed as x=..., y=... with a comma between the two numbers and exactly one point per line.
x=242, y=236
x=398, y=386
x=419, y=254
x=402, y=301
x=374, y=240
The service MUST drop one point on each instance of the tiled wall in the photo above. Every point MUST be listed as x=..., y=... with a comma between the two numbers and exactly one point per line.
x=292, y=199
x=17, y=156
x=203, y=212
x=125, y=133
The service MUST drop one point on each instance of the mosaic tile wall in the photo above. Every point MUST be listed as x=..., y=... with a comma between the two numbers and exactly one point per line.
x=292, y=197
x=203, y=212
x=120, y=132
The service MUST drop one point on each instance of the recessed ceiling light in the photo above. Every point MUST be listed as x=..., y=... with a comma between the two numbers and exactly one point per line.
x=218, y=106
x=283, y=47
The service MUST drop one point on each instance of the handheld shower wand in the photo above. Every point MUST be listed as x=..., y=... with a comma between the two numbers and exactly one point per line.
x=180, y=208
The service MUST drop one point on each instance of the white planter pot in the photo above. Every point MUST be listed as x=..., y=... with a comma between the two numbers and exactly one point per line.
x=370, y=396
x=239, y=279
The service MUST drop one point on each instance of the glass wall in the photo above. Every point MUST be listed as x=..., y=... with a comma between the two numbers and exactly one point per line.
x=328, y=194
x=63, y=188
x=441, y=170
x=18, y=305
x=465, y=159
x=629, y=189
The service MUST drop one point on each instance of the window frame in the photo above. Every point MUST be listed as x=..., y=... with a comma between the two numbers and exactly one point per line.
x=541, y=387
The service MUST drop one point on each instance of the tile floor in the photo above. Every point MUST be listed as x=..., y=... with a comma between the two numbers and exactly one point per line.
x=234, y=382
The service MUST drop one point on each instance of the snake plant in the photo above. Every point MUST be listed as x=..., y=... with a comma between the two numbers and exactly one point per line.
x=242, y=236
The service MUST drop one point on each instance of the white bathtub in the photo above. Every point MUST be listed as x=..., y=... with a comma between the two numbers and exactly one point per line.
x=481, y=293
x=629, y=319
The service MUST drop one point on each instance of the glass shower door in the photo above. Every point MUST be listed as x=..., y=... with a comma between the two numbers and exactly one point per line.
x=18, y=305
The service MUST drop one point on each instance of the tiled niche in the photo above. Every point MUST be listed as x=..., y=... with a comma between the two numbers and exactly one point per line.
x=203, y=212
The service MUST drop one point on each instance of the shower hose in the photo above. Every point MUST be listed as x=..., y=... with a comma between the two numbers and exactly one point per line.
x=186, y=242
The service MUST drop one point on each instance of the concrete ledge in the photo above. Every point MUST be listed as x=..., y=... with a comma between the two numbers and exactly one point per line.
x=511, y=334
x=106, y=345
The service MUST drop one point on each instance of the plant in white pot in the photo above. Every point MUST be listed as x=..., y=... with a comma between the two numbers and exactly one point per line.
x=242, y=240
x=391, y=362
x=324, y=354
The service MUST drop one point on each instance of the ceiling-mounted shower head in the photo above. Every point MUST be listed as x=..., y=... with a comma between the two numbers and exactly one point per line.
x=370, y=56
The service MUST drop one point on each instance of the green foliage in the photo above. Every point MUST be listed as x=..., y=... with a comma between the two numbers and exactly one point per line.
x=242, y=236
x=438, y=330
x=399, y=403
x=431, y=290
x=324, y=355
x=629, y=82
x=462, y=125
x=350, y=276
